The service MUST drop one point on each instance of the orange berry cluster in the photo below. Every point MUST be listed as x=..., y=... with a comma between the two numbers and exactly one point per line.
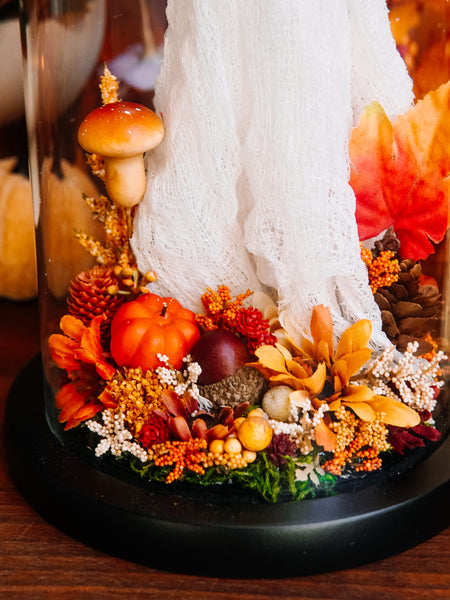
x=358, y=443
x=366, y=459
x=221, y=311
x=188, y=454
x=383, y=271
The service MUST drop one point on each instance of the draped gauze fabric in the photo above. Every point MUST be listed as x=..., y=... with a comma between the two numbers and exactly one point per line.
x=250, y=185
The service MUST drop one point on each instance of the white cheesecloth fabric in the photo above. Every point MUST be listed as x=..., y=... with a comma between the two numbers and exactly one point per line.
x=250, y=185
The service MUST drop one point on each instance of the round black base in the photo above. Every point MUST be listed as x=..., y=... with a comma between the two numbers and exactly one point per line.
x=221, y=534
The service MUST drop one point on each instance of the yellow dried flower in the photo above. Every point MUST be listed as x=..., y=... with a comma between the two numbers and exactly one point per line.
x=109, y=86
x=97, y=165
x=137, y=395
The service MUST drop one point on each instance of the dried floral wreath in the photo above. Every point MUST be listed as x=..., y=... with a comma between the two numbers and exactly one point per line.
x=224, y=396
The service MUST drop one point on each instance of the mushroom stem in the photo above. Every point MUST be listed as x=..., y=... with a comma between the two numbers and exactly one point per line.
x=125, y=179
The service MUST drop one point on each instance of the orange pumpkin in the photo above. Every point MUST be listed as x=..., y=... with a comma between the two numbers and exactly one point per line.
x=152, y=325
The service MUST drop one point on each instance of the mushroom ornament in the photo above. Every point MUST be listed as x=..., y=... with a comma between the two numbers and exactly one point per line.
x=121, y=132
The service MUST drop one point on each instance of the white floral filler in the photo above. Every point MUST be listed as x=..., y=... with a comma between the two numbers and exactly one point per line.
x=415, y=380
x=116, y=438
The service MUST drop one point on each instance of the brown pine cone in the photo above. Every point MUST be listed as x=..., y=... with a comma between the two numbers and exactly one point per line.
x=389, y=241
x=88, y=296
x=409, y=310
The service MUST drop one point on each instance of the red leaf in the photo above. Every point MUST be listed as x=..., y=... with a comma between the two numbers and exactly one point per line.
x=399, y=173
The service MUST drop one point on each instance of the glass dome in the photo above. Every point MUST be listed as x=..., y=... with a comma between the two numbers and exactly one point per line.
x=241, y=222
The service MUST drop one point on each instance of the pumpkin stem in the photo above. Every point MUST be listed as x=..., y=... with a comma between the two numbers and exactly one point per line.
x=164, y=309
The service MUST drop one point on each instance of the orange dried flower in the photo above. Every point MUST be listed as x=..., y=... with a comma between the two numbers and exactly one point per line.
x=190, y=454
x=358, y=443
x=221, y=310
x=80, y=353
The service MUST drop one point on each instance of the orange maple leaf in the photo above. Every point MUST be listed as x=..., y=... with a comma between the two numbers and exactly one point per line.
x=400, y=173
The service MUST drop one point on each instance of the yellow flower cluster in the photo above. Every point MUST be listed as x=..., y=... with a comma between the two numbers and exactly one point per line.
x=137, y=395
x=117, y=221
x=104, y=256
x=109, y=87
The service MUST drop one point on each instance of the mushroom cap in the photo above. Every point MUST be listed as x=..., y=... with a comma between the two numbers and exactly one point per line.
x=120, y=129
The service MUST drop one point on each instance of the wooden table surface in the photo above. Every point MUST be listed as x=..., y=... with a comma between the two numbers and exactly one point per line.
x=38, y=561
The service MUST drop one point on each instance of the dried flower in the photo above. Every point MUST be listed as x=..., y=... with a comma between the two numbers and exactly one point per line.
x=250, y=323
x=403, y=439
x=383, y=270
x=309, y=470
x=154, y=431
x=406, y=378
x=109, y=87
x=337, y=368
x=221, y=310
x=116, y=437
x=80, y=353
x=358, y=443
x=188, y=454
x=280, y=447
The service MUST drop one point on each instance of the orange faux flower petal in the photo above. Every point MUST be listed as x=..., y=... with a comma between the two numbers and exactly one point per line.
x=108, y=399
x=322, y=332
x=62, y=350
x=363, y=410
x=67, y=397
x=85, y=413
x=72, y=327
x=91, y=351
x=354, y=338
x=396, y=413
x=325, y=437
x=272, y=358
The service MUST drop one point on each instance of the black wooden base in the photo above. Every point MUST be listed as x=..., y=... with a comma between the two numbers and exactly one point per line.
x=216, y=533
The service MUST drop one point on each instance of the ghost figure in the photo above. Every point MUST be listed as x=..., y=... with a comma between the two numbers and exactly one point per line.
x=250, y=186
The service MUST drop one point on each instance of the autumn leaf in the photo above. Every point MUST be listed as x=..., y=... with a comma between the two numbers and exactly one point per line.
x=400, y=173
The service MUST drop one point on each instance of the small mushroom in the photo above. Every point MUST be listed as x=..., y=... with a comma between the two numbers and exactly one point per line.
x=121, y=132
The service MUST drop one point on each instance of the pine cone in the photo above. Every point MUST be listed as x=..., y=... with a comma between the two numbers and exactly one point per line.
x=88, y=296
x=389, y=241
x=409, y=310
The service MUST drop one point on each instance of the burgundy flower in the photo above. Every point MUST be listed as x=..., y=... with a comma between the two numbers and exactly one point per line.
x=155, y=431
x=280, y=447
x=402, y=439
